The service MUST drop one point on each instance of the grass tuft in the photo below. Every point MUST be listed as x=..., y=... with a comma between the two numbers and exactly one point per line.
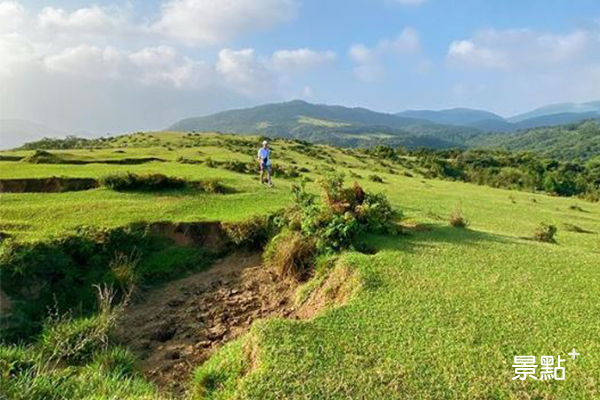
x=457, y=219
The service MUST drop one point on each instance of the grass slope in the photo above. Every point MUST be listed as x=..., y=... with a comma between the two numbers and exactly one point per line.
x=439, y=313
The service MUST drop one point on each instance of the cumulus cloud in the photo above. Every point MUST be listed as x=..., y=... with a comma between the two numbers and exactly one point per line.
x=217, y=21
x=163, y=64
x=86, y=61
x=301, y=59
x=244, y=73
x=536, y=67
x=370, y=60
x=86, y=24
x=516, y=48
x=12, y=15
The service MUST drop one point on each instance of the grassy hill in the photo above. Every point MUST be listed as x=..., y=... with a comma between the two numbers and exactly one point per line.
x=326, y=124
x=435, y=312
x=569, y=142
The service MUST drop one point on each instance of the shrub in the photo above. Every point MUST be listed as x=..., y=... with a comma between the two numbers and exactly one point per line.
x=157, y=182
x=545, y=233
x=236, y=166
x=255, y=232
x=344, y=214
x=42, y=157
x=457, y=218
x=376, y=178
x=129, y=181
x=291, y=255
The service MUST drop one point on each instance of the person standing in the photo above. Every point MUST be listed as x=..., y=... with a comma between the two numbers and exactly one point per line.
x=264, y=159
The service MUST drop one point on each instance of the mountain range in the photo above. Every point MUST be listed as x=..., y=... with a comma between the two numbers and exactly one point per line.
x=552, y=115
x=359, y=126
x=345, y=126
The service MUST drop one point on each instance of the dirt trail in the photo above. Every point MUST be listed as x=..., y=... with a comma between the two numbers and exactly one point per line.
x=176, y=327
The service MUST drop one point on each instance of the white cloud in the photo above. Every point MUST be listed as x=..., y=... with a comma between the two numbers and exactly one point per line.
x=163, y=64
x=84, y=21
x=467, y=52
x=217, y=21
x=12, y=15
x=15, y=52
x=301, y=59
x=521, y=48
x=87, y=62
x=370, y=60
x=244, y=73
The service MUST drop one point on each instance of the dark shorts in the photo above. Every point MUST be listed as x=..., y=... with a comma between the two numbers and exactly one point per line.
x=265, y=167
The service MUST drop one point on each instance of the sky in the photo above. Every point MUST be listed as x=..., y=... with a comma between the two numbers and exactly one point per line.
x=119, y=66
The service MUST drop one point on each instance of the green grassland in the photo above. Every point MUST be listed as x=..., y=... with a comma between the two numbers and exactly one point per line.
x=439, y=312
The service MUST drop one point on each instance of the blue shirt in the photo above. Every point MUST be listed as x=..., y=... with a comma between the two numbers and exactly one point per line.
x=264, y=154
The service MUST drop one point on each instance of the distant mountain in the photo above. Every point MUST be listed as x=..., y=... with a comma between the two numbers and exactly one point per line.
x=553, y=115
x=556, y=119
x=566, y=142
x=561, y=108
x=461, y=116
x=257, y=119
x=15, y=132
x=320, y=123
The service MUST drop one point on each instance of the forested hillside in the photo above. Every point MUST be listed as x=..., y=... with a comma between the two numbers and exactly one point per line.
x=569, y=142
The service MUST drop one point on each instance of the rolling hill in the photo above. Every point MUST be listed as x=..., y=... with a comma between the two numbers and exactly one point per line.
x=568, y=142
x=327, y=124
x=480, y=119
x=354, y=127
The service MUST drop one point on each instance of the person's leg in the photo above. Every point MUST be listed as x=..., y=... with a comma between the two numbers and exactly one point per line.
x=269, y=175
x=262, y=175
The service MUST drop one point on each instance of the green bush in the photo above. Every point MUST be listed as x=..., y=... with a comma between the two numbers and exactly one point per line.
x=375, y=178
x=545, y=233
x=132, y=182
x=42, y=157
x=156, y=182
x=343, y=214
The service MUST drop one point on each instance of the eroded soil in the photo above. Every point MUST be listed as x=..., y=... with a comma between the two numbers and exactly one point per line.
x=178, y=326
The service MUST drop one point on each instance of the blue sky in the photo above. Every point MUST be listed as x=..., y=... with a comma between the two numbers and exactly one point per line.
x=119, y=66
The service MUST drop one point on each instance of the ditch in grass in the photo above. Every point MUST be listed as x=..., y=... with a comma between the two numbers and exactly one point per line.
x=172, y=326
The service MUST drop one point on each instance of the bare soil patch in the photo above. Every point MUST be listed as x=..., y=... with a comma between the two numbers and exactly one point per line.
x=176, y=327
x=46, y=185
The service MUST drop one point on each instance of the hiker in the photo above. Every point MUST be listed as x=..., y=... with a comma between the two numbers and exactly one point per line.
x=264, y=159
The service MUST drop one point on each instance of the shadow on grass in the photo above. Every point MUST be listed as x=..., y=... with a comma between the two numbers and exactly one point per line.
x=426, y=235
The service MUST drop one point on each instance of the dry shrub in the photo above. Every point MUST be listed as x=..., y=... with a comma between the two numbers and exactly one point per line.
x=545, y=233
x=291, y=255
x=457, y=219
x=255, y=231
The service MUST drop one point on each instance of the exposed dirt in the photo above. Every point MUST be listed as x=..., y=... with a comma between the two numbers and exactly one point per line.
x=209, y=235
x=176, y=327
x=46, y=185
